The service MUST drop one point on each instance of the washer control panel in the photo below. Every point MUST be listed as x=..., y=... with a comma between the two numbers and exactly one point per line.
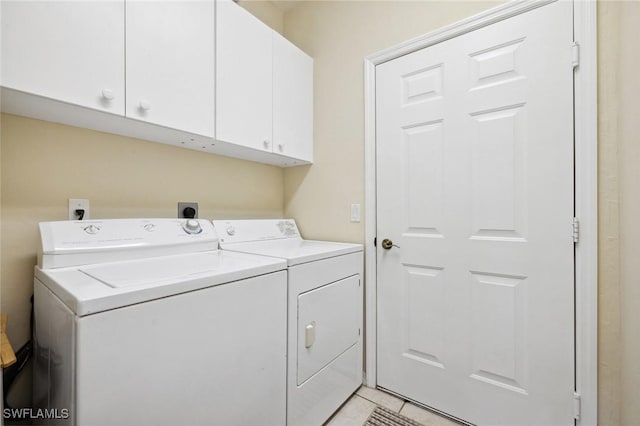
x=119, y=234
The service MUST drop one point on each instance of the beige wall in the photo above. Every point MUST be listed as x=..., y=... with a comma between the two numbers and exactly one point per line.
x=340, y=34
x=629, y=160
x=45, y=164
x=609, y=366
x=619, y=209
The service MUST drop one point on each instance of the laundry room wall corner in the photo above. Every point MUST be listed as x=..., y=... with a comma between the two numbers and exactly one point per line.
x=339, y=35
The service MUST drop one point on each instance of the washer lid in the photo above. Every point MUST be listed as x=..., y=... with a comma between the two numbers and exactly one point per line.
x=153, y=271
x=101, y=287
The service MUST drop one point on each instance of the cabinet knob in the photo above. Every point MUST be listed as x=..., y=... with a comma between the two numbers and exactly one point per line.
x=145, y=105
x=280, y=147
x=267, y=143
x=107, y=94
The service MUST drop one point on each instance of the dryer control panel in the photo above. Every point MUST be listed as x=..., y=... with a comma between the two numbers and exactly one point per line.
x=243, y=231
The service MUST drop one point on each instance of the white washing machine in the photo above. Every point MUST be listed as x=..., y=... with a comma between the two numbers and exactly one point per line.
x=325, y=297
x=146, y=322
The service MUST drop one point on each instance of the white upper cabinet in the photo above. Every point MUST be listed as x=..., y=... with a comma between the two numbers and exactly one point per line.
x=292, y=100
x=264, y=87
x=170, y=64
x=243, y=78
x=199, y=74
x=68, y=51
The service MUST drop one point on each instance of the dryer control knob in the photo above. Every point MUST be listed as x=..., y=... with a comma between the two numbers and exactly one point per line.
x=192, y=226
x=231, y=230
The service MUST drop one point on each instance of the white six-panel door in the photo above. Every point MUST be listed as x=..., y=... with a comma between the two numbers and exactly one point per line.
x=475, y=186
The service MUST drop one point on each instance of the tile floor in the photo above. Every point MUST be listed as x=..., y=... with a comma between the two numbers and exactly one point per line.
x=357, y=409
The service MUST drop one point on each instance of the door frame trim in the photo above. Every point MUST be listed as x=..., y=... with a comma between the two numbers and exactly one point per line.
x=586, y=185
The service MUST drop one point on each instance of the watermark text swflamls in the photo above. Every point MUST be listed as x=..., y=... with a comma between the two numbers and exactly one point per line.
x=35, y=413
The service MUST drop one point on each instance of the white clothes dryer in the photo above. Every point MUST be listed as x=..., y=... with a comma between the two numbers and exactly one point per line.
x=146, y=322
x=325, y=298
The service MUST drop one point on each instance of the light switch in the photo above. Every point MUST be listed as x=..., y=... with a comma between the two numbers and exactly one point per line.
x=355, y=213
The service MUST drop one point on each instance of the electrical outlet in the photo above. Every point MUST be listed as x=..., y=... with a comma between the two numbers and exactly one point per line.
x=182, y=206
x=355, y=213
x=78, y=204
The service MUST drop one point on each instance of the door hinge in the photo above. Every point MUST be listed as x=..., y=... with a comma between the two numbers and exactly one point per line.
x=576, y=405
x=575, y=225
x=358, y=332
x=575, y=54
x=375, y=241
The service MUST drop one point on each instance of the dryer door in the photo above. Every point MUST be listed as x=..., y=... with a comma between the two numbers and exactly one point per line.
x=328, y=325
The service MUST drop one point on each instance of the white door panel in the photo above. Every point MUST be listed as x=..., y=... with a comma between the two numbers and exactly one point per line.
x=475, y=184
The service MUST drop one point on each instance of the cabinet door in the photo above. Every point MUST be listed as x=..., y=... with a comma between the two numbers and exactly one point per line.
x=292, y=100
x=171, y=64
x=243, y=78
x=68, y=51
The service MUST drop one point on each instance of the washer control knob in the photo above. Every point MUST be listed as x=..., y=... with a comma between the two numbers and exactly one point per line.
x=149, y=227
x=231, y=230
x=91, y=229
x=192, y=226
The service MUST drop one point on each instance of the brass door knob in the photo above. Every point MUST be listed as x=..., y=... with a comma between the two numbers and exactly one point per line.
x=387, y=244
